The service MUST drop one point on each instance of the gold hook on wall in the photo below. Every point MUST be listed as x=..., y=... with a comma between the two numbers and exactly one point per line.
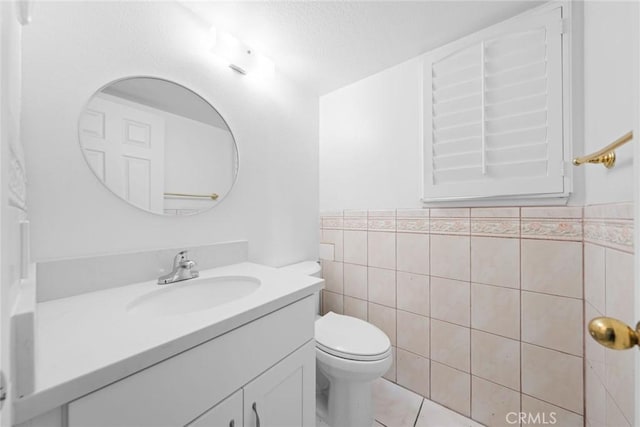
x=606, y=155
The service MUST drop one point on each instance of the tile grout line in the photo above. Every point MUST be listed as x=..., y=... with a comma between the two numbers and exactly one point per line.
x=415, y=422
x=520, y=291
x=470, y=319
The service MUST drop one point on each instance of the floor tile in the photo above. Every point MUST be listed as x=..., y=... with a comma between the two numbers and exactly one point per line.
x=395, y=406
x=434, y=415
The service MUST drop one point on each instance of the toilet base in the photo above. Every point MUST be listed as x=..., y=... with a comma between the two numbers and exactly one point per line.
x=350, y=404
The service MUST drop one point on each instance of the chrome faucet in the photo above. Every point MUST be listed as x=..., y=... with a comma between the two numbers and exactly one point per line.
x=182, y=270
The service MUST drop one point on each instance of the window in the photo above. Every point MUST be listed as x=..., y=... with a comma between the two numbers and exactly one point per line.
x=493, y=112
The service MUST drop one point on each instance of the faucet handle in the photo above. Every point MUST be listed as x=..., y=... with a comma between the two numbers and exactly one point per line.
x=180, y=258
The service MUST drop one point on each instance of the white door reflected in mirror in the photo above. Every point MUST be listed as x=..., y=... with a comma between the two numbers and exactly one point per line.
x=158, y=145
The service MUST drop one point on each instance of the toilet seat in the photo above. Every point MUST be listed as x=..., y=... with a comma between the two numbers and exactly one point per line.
x=351, y=338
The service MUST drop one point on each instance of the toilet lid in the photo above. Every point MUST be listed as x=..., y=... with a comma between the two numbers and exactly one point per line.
x=351, y=338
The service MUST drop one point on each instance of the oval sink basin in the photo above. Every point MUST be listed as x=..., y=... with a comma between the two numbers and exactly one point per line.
x=193, y=295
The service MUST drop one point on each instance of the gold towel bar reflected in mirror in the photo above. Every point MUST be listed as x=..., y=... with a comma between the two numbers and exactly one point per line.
x=607, y=155
x=212, y=196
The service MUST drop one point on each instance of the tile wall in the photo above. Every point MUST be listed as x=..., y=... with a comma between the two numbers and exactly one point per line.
x=483, y=306
x=609, y=290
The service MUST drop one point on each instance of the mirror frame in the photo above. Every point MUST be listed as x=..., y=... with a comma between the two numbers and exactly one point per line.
x=142, y=76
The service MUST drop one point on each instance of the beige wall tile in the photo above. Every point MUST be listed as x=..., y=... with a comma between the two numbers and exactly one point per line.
x=593, y=352
x=450, y=257
x=355, y=307
x=549, y=413
x=450, y=301
x=413, y=333
x=451, y=345
x=613, y=414
x=495, y=309
x=332, y=274
x=619, y=285
x=553, y=322
x=495, y=261
x=491, y=403
x=610, y=210
x=450, y=212
x=382, y=286
x=619, y=380
x=385, y=319
x=332, y=302
x=355, y=247
x=594, y=284
x=451, y=388
x=495, y=358
x=413, y=372
x=355, y=280
x=413, y=252
x=381, y=248
x=552, y=267
x=552, y=212
x=335, y=237
x=595, y=398
x=552, y=376
x=412, y=292
x=507, y=212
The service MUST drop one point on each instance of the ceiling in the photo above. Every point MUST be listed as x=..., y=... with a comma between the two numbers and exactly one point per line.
x=326, y=45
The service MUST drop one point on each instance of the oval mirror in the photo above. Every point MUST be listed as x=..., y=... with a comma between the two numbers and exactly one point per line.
x=158, y=145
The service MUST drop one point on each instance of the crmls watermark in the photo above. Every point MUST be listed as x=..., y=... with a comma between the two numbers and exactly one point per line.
x=525, y=418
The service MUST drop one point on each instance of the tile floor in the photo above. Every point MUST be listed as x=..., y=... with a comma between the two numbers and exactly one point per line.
x=398, y=407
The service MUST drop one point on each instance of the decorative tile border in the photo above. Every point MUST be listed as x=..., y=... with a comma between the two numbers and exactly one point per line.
x=495, y=227
x=413, y=221
x=609, y=225
x=355, y=220
x=381, y=220
x=551, y=229
x=332, y=222
x=450, y=221
x=615, y=234
x=459, y=226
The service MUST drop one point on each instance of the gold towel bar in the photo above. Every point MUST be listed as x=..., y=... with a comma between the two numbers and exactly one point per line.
x=212, y=196
x=607, y=155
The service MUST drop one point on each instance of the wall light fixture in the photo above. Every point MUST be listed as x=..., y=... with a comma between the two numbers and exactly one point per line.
x=240, y=57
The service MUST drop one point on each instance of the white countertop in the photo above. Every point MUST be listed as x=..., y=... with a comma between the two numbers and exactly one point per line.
x=87, y=341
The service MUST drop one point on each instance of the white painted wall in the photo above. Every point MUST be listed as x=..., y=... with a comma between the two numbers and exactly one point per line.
x=371, y=136
x=71, y=49
x=371, y=140
x=611, y=75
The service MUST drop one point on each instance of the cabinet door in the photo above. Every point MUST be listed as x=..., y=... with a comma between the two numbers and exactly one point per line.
x=227, y=413
x=284, y=396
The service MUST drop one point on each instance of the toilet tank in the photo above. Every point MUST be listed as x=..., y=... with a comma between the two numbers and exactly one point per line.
x=308, y=268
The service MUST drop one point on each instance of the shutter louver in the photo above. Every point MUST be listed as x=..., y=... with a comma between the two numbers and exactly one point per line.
x=496, y=114
x=457, y=117
x=516, y=96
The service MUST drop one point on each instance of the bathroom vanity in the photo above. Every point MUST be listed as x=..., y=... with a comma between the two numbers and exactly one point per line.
x=101, y=361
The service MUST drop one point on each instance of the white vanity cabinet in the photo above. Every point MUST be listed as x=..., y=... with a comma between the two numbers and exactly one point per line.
x=227, y=413
x=269, y=361
x=276, y=398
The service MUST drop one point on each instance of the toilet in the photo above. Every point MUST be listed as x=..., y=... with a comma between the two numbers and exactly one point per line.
x=350, y=355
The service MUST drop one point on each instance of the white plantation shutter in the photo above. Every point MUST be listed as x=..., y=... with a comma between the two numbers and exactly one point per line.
x=494, y=112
